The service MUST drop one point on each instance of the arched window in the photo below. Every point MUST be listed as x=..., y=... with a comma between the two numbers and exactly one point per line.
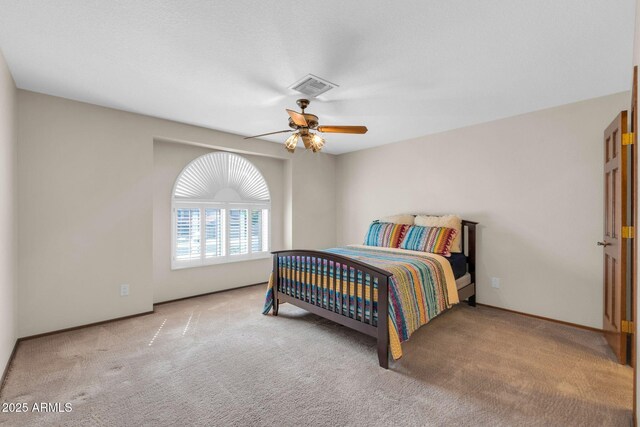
x=220, y=209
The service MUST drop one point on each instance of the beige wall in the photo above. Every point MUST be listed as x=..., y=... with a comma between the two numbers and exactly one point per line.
x=8, y=214
x=85, y=199
x=169, y=160
x=534, y=182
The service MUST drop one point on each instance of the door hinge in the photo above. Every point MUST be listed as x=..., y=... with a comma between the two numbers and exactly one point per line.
x=628, y=232
x=627, y=327
x=627, y=138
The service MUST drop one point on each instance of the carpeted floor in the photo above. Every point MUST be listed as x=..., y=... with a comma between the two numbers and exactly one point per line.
x=215, y=360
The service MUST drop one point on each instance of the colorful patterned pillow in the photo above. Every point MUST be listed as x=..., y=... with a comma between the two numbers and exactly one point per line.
x=385, y=234
x=436, y=240
x=449, y=221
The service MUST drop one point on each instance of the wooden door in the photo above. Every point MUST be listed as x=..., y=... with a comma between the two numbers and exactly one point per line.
x=615, y=233
x=633, y=127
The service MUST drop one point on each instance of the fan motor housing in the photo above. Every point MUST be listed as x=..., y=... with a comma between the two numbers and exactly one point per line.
x=312, y=122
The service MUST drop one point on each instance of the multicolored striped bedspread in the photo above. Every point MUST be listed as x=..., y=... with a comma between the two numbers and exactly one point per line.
x=422, y=286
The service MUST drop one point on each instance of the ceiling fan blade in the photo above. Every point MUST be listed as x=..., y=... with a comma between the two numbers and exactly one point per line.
x=343, y=129
x=270, y=133
x=297, y=118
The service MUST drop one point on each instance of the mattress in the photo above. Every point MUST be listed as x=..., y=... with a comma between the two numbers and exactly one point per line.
x=458, y=263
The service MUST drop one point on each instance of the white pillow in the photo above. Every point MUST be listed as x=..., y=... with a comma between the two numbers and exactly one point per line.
x=450, y=221
x=399, y=219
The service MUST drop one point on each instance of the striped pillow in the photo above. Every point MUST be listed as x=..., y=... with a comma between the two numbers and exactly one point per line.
x=385, y=234
x=436, y=240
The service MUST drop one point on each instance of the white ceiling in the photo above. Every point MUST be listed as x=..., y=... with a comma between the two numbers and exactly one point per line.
x=405, y=68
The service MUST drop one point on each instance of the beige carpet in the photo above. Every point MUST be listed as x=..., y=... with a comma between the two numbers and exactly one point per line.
x=216, y=360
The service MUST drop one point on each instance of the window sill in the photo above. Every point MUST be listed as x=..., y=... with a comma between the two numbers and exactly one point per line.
x=232, y=259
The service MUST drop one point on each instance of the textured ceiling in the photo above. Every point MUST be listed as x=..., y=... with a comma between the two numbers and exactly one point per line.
x=405, y=69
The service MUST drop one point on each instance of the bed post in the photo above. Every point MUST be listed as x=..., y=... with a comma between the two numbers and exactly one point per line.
x=471, y=259
x=275, y=276
x=383, y=321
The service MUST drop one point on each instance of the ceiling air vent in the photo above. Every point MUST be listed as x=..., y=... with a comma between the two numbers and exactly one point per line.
x=312, y=86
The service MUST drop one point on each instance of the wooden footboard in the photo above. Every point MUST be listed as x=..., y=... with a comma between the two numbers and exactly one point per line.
x=323, y=283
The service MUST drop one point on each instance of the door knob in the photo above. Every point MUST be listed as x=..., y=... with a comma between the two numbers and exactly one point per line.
x=604, y=244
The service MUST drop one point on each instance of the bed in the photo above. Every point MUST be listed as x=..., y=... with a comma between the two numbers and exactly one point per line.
x=351, y=285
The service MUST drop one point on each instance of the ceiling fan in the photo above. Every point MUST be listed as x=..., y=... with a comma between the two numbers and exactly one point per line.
x=303, y=125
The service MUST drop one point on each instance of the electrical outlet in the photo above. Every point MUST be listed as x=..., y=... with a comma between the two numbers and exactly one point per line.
x=495, y=282
x=124, y=290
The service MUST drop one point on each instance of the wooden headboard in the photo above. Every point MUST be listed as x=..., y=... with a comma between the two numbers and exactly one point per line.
x=470, y=227
x=468, y=248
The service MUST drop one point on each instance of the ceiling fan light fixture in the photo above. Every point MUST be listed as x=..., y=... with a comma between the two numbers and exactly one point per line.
x=317, y=142
x=306, y=140
x=291, y=142
x=304, y=125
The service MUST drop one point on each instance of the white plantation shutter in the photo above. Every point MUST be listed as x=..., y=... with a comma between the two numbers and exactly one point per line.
x=188, y=234
x=238, y=231
x=265, y=230
x=213, y=232
x=217, y=176
x=221, y=206
x=256, y=230
x=259, y=230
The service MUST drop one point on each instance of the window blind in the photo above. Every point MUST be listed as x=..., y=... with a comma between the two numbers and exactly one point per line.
x=213, y=232
x=256, y=230
x=187, y=234
x=221, y=206
x=259, y=230
x=238, y=231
